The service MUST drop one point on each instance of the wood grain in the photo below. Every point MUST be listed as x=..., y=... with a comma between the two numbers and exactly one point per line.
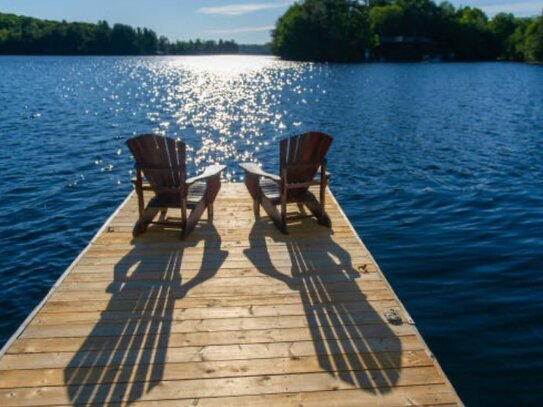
x=237, y=314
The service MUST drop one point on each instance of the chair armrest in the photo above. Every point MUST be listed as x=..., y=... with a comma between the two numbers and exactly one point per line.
x=210, y=171
x=255, y=169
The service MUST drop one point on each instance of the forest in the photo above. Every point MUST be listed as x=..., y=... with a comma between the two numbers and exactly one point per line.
x=31, y=36
x=350, y=30
x=310, y=30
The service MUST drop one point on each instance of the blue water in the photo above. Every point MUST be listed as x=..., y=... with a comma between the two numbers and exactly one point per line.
x=439, y=167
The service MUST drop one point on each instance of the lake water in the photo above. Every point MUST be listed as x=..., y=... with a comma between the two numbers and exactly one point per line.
x=438, y=166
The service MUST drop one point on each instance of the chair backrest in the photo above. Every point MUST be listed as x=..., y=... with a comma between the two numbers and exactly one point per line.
x=302, y=155
x=161, y=159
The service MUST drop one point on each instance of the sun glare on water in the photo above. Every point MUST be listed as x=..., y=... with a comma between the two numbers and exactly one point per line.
x=226, y=108
x=228, y=66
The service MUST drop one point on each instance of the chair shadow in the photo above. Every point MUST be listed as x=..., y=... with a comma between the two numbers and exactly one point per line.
x=352, y=341
x=124, y=355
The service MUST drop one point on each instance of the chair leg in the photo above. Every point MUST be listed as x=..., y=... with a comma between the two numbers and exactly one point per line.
x=144, y=220
x=183, y=213
x=274, y=214
x=324, y=219
x=284, y=213
x=253, y=186
x=317, y=210
x=192, y=219
x=210, y=212
x=163, y=212
x=284, y=216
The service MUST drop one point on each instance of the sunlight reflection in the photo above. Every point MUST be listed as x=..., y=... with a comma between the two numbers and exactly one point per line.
x=228, y=65
x=226, y=108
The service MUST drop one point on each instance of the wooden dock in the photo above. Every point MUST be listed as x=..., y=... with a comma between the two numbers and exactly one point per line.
x=237, y=314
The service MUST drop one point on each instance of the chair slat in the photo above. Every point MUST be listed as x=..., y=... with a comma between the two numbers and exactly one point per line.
x=154, y=153
x=302, y=156
x=162, y=162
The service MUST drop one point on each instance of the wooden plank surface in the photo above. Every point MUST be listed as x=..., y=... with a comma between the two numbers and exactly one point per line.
x=236, y=314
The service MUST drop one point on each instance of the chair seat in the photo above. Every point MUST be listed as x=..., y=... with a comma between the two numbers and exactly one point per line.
x=172, y=200
x=272, y=191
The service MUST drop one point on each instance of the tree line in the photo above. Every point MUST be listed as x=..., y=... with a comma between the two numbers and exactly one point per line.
x=27, y=35
x=350, y=30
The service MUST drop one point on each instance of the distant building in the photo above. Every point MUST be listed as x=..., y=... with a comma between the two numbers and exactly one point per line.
x=406, y=49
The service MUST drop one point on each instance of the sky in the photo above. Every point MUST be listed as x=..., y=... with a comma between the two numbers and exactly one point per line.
x=247, y=22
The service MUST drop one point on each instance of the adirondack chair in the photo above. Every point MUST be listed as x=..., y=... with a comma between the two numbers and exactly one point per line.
x=161, y=161
x=300, y=159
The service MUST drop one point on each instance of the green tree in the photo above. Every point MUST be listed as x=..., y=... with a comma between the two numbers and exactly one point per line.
x=533, y=41
x=386, y=20
x=123, y=40
x=148, y=42
x=100, y=41
x=472, y=38
x=323, y=30
x=503, y=26
x=163, y=44
x=420, y=17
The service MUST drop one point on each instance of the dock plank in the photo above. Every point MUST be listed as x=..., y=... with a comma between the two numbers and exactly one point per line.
x=237, y=314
